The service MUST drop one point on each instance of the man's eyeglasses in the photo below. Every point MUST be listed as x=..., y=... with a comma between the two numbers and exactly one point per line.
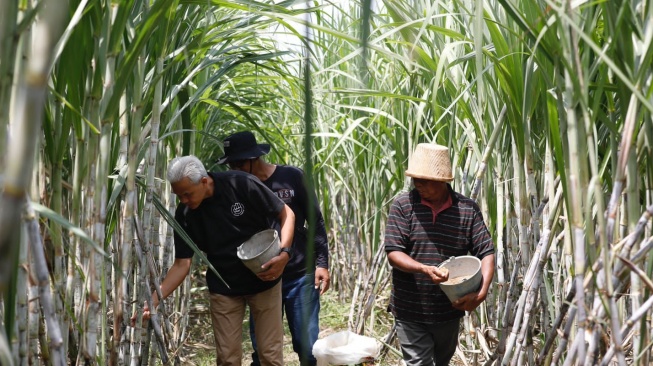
x=237, y=164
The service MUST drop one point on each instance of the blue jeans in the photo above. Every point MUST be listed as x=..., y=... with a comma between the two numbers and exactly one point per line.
x=301, y=303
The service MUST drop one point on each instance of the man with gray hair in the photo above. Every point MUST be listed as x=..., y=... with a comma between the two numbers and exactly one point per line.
x=220, y=211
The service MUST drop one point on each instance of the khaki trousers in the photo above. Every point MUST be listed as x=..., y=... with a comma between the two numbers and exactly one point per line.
x=227, y=314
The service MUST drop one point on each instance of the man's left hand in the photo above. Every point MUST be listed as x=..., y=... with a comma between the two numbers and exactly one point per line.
x=273, y=269
x=468, y=302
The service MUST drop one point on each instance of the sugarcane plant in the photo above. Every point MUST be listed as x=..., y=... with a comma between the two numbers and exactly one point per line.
x=545, y=106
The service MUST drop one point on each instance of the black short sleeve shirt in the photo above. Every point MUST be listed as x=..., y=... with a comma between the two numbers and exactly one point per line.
x=240, y=207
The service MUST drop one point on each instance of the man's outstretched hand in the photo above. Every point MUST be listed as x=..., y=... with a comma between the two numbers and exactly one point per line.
x=146, y=313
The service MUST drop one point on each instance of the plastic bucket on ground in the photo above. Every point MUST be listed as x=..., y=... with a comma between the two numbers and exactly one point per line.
x=259, y=249
x=464, y=276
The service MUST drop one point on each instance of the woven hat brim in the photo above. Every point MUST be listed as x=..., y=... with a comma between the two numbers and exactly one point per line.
x=428, y=177
x=254, y=152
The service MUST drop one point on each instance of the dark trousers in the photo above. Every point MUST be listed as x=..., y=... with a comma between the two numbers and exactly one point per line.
x=428, y=344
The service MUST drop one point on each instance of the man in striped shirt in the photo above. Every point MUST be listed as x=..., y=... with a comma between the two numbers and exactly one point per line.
x=425, y=227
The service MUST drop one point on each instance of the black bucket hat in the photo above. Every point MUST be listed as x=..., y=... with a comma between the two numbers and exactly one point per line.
x=242, y=146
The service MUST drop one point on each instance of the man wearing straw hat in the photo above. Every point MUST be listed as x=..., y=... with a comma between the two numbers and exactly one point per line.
x=301, y=288
x=426, y=226
x=220, y=211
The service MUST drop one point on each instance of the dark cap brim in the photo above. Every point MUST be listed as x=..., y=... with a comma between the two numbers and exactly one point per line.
x=255, y=152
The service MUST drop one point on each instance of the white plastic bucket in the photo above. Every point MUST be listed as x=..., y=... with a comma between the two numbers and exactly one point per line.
x=464, y=276
x=259, y=249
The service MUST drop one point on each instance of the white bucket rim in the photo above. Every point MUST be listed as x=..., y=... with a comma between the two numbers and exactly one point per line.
x=239, y=250
x=457, y=290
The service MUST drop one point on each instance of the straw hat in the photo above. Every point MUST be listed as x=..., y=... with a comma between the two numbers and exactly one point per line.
x=430, y=161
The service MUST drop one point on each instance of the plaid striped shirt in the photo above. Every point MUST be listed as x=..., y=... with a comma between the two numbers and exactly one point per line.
x=458, y=230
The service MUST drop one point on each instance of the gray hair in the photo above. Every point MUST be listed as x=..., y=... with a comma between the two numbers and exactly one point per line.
x=186, y=167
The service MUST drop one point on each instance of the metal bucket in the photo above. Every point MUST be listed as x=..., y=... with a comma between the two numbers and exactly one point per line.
x=259, y=249
x=464, y=276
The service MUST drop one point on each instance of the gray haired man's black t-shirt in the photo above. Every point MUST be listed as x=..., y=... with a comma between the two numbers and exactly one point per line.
x=240, y=207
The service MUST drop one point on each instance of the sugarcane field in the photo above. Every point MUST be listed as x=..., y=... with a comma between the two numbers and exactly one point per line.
x=314, y=183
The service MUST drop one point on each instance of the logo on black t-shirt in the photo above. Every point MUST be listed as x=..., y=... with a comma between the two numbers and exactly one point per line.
x=285, y=194
x=237, y=209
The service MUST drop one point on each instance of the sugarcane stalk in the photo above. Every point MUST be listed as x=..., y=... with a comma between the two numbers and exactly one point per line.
x=96, y=262
x=34, y=320
x=572, y=355
x=630, y=322
x=530, y=354
x=530, y=187
x=123, y=256
x=85, y=307
x=489, y=148
x=593, y=336
x=533, y=283
x=148, y=272
x=19, y=160
x=72, y=294
x=123, y=132
x=632, y=209
x=593, y=340
x=168, y=245
x=352, y=308
x=45, y=296
x=148, y=213
x=613, y=279
x=124, y=273
x=579, y=269
x=508, y=317
x=564, y=338
x=511, y=291
x=8, y=50
x=96, y=196
x=144, y=283
x=21, y=349
x=33, y=310
x=132, y=163
x=523, y=305
x=630, y=122
x=56, y=234
x=498, y=296
x=523, y=210
x=574, y=131
x=551, y=334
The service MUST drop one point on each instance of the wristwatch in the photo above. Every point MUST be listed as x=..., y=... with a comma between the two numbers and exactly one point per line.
x=286, y=250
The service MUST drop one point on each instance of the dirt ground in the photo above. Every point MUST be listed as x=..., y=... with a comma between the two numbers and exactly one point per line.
x=198, y=349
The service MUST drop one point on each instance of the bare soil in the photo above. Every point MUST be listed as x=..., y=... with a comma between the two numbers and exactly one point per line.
x=199, y=347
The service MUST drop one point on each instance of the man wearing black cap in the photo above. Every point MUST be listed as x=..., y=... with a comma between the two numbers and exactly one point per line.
x=220, y=211
x=301, y=288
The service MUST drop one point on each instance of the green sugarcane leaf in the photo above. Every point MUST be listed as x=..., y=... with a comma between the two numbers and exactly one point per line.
x=56, y=217
x=182, y=233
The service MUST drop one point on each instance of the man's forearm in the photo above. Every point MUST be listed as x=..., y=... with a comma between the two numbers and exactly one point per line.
x=287, y=220
x=404, y=262
x=174, y=278
x=487, y=270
